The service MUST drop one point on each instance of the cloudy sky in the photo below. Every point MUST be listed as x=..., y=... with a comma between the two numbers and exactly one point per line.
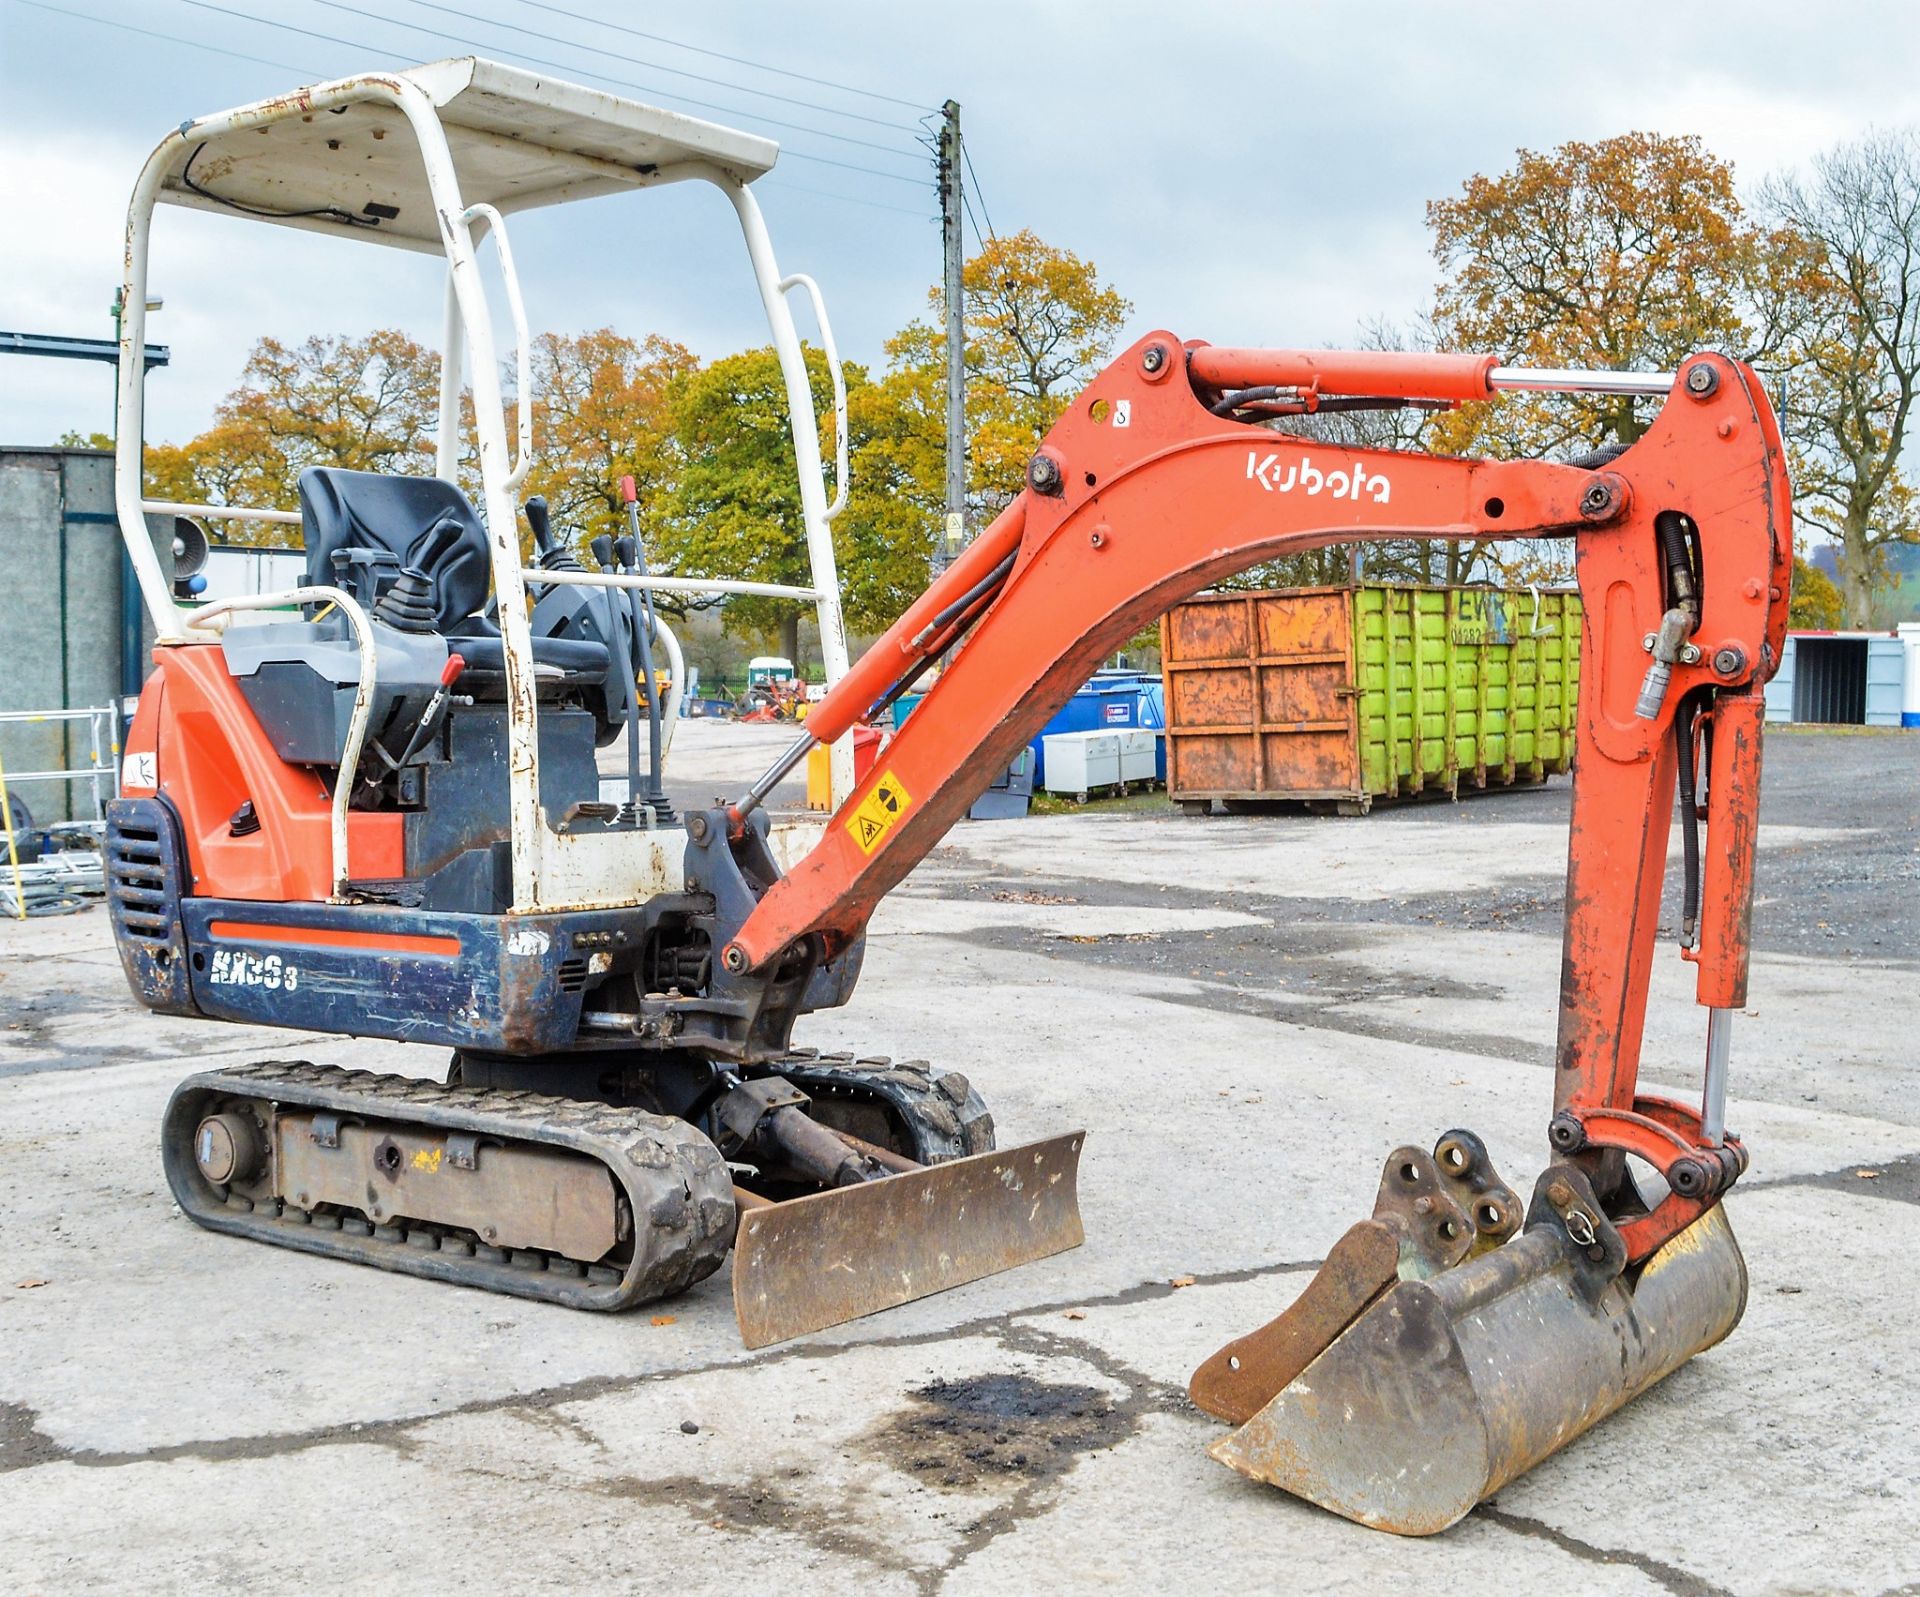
x=1242, y=172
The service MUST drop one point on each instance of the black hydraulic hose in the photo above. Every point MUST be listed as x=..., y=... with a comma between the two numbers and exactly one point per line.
x=990, y=582
x=1243, y=396
x=1689, y=823
x=1676, y=546
x=944, y=629
x=1294, y=403
x=943, y=640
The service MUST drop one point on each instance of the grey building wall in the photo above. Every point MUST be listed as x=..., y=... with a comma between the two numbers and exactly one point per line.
x=61, y=571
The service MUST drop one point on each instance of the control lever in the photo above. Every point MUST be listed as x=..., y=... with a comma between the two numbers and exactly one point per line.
x=536, y=514
x=640, y=605
x=603, y=551
x=430, y=717
x=550, y=553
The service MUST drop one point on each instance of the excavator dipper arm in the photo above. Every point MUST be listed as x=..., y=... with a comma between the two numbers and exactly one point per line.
x=1144, y=493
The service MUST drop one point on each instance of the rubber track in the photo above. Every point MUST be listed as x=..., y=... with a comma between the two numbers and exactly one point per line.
x=674, y=1179
x=944, y=1116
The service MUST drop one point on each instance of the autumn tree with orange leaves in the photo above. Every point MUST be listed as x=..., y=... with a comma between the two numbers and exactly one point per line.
x=1040, y=323
x=601, y=412
x=1626, y=255
x=369, y=404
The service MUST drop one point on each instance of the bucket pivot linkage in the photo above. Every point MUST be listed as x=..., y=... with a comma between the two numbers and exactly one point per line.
x=1444, y=1349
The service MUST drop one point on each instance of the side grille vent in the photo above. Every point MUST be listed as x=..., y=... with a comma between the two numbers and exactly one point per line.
x=573, y=975
x=137, y=882
x=146, y=879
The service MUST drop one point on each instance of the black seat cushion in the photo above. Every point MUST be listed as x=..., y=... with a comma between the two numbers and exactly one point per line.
x=342, y=509
x=477, y=641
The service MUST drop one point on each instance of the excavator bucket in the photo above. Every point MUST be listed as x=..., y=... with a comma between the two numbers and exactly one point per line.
x=1445, y=1384
x=816, y=1261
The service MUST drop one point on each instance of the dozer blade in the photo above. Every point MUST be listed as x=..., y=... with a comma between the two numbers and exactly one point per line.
x=1447, y=1388
x=817, y=1261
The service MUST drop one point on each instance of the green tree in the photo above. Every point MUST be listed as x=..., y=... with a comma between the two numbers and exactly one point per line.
x=733, y=509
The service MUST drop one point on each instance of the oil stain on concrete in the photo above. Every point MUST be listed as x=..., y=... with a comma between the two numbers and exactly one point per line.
x=997, y=1430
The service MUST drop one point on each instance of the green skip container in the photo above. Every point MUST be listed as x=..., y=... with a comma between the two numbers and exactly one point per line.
x=1343, y=696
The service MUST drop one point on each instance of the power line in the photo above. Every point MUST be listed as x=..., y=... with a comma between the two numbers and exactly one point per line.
x=312, y=74
x=966, y=201
x=463, y=42
x=877, y=205
x=671, y=71
x=721, y=55
x=967, y=156
x=167, y=38
x=638, y=62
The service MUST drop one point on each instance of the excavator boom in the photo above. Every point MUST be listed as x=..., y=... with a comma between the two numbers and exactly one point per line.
x=1162, y=478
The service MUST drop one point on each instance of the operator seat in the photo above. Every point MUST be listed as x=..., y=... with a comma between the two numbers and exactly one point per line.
x=372, y=514
x=342, y=512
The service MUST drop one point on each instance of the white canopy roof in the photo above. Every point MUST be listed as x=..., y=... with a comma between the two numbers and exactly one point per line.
x=518, y=140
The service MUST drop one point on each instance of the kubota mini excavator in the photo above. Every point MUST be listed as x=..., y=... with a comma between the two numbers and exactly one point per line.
x=626, y=1103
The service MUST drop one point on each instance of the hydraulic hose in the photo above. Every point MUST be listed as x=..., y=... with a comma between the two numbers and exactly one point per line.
x=990, y=583
x=1689, y=822
x=945, y=629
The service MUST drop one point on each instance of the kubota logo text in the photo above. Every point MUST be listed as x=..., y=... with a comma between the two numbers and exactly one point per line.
x=1310, y=479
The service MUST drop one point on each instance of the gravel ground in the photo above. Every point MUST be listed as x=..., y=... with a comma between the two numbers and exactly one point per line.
x=1839, y=871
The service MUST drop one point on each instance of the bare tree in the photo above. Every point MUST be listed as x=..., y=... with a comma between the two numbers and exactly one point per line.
x=1849, y=394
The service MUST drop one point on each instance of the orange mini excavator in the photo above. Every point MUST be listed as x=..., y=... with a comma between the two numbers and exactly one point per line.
x=380, y=815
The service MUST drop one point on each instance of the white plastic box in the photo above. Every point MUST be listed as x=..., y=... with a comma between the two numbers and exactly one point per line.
x=1079, y=762
x=1139, y=760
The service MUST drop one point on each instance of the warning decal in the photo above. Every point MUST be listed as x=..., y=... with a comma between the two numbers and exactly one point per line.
x=878, y=811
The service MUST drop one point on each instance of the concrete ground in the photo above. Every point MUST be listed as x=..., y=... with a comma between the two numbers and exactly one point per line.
x=1246, y=1014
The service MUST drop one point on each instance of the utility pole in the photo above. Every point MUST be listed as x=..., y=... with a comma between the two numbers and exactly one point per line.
x=952, y=206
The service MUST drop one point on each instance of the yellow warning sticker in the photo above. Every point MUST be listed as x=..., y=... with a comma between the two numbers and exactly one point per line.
x=878, y=812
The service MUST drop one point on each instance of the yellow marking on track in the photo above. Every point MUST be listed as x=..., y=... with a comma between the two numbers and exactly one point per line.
x=428, y=1159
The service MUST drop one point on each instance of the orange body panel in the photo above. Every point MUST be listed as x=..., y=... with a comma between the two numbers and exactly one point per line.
x=210, y=756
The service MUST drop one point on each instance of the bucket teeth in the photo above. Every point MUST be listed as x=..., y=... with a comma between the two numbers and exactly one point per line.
x=1445, y=1388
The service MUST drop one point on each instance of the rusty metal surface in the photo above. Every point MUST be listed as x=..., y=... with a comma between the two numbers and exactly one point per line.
x=512, y=1197
x=1467, y=1169
x=834, y=1256
x=1447, y=1389
x=1420, y=1206
x=1259, y=691
x=1243, y=1377
x=1423, y=1222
